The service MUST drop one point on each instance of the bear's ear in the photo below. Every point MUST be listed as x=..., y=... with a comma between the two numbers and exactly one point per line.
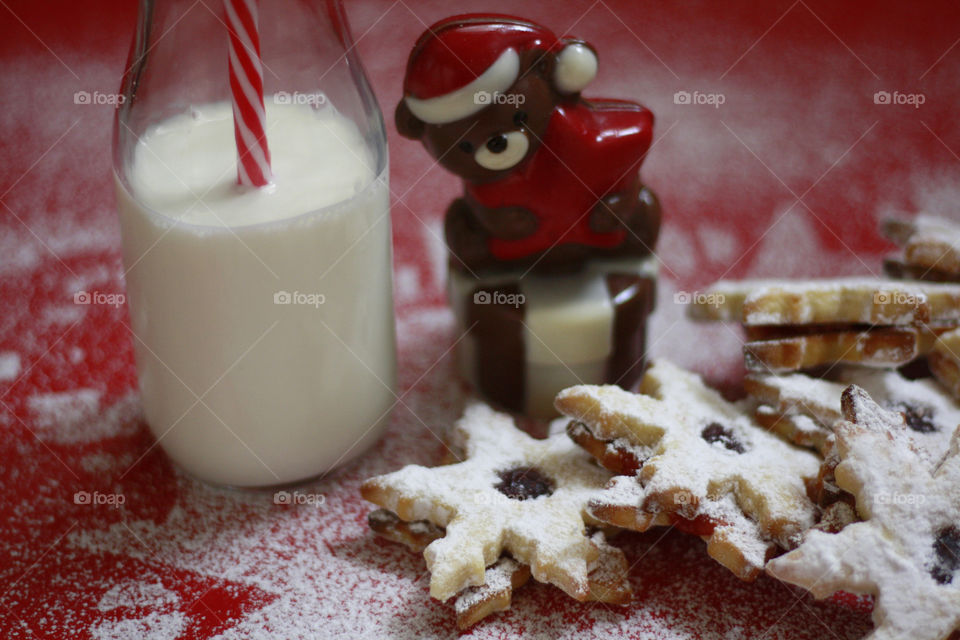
x=575, y=66
x=408, y=125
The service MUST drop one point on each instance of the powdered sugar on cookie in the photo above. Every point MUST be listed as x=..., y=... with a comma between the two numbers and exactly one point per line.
x=931, y=414
x=929, y=242
x=906, y=552
x=829, y=301
x=817, y=301
x=511, y=493
x=711, y=465
x=475, y=603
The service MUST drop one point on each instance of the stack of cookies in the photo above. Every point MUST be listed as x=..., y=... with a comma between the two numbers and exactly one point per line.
x=835, y=473
x=822, y=358
x=794, y=325
x=931, y=253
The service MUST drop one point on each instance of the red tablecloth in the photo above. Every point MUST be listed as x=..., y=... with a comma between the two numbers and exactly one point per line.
x=788, y=177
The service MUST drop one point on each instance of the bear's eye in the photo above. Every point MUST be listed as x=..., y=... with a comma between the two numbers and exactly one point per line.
x=466, y=146
x=520, y=118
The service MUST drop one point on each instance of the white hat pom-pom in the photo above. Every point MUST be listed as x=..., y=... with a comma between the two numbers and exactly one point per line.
x=576, y=66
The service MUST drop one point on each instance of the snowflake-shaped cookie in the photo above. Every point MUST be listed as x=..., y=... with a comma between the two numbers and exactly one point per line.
x=512, y=494
x=506, y=575
x=906, y=552
x=828, y=302
x=931, y=246
x=930, y=413
x=801, y=324
x=703, y=460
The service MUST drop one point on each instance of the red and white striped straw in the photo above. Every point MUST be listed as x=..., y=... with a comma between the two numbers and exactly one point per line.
x=246, y=85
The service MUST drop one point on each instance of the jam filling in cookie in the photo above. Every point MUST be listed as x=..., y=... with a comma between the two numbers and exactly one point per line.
x=523, y=483
x=716, y=432
x=947, y=549
x=918, y=418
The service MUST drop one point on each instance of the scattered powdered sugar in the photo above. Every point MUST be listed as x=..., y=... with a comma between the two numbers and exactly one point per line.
x=75, y=417
x=9, y=366
x=406, y=283
x=137, y=594
x=790, y=242
x=720, y=243
x=679, y=262
x=19, y=254
x=101, y=463
x=64, y=411
x=152, y=626
x=935, y=193
x=673, y=335
x=63, y=315
x=90, y=277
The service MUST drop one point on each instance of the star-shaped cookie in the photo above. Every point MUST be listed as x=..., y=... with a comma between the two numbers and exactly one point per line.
x=930, y=413
x=931, y=248
x=506, y=575
x=800, y=324
x=510, y=494
x=703, y=464
x=906, y=551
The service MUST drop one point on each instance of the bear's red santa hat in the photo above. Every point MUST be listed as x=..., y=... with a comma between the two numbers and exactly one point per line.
x=459, y=63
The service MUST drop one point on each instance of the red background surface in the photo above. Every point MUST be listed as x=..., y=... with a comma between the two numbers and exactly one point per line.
x=788, y=177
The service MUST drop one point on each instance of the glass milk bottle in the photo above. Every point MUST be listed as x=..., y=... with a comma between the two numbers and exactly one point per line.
x=262, y=315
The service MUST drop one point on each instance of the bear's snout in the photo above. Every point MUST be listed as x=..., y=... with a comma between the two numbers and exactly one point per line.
x=503, y=150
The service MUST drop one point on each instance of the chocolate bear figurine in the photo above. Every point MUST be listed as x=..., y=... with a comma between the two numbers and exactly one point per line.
x=552, y=276
x=551, y=179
